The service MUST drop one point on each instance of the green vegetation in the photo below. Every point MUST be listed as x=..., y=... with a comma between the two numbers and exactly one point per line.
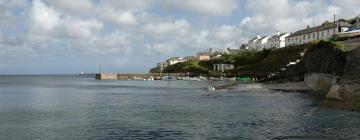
x=185, y=67
x=322, y=43
x=250, y=63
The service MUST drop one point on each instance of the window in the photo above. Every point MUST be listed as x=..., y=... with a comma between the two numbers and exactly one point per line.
x=322, y=33
x=308, y=36
x=313, y=35
x=328, y=32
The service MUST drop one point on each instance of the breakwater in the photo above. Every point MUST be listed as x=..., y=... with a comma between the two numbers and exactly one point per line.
x=123, y=76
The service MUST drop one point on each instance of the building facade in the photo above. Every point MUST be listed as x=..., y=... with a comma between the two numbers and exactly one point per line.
x=252, y=42
x=277, y=41
x=323, y=32
x=161, y=66
x=203, y=56
x=260, y=44
x=223, y=67
x=174, y=60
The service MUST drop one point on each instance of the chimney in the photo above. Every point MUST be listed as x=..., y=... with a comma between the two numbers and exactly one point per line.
x=278, y=33
x=307, y=27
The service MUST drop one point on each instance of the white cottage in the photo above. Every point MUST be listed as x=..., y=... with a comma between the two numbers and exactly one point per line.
x=260, y=44
x=252, y=42
x=223, y=67
x=174, y=60
x=323, y=32
x=277, y=41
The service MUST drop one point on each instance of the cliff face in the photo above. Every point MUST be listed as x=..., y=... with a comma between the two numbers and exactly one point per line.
x=325, y=58
x=335, y=75
x=346, y=92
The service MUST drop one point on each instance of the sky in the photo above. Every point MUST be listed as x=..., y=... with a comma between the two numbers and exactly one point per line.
x=131, y=36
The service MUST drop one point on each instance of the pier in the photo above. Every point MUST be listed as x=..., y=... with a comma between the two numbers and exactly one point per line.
x=121, y=76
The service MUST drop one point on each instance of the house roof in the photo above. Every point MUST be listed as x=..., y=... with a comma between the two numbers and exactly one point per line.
x=202, y=53
x=324, y=26
x=262, y=38
x=278, y=36
x=252, y=40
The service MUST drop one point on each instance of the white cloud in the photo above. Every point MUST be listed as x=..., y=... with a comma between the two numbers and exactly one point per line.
x=119, y=17
x=132, y=5
x=80, y=7
x=43, y=17
x=81, y=28
x=177, y=27
x=114, y=43
x=347, y=8
x=160, y=48
x=202, y=7
x=284, y=16
x=227, y=33
x=136, y=27
x=48, y=24
x=121, y=62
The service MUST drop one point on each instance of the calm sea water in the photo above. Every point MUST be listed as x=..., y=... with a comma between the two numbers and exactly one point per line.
x=72, y=107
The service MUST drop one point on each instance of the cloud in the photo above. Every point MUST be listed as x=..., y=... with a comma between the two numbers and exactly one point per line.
x=284, y=15
x=79, y=7
x=160, y=48
x=119, y=17
x=116, y=42
x=150, y=28
x=121, y=62
x=347, y=8
x=167, y=29
x=132, y=5
x=43, y=17
x=48, y=24
x=202, y=7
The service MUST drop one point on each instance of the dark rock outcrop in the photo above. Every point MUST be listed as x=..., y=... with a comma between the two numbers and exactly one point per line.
x=325, y=58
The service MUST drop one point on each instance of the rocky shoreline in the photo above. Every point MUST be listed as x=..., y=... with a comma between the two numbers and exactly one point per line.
x=300, y=87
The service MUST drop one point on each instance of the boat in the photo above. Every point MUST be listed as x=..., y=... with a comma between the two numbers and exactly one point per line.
x=169, y=78
x=190, y=79
x=157, y=78
x=243, y=79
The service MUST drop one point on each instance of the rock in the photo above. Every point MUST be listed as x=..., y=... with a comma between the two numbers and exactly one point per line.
x=320, y=82
x=325, y=58
x=333, y=93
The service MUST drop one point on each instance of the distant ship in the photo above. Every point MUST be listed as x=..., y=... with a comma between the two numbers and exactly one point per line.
x=85, y=74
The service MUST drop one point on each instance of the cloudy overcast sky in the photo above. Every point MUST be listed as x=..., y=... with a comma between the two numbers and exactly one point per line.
x=69, y=36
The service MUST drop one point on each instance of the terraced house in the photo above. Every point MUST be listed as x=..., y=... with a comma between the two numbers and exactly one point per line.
x=277, y=41
x=323, y=32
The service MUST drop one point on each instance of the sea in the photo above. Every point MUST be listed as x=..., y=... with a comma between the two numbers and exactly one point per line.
x=72, y=107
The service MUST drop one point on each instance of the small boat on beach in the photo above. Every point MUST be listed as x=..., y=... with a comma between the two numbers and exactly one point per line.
x=243, y=79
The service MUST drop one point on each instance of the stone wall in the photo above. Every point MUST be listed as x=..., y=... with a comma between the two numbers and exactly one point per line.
x=320, y=82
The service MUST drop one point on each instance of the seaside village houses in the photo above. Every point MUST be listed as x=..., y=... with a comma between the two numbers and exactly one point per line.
x=277, y=41
x=323, y=32
x=203, y=56
x=266, y=42
x=171, y=61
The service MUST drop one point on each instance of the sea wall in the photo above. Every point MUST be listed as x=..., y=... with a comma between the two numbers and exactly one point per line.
x=106, y=76
x=320, y=82
x=346, y=92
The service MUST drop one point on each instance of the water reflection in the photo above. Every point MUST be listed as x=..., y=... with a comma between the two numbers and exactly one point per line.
x=57, y=107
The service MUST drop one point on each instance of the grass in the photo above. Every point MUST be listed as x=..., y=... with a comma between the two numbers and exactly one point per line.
x=251, y=62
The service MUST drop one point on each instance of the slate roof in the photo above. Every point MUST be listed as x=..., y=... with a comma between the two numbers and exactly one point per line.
x=252, y=40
